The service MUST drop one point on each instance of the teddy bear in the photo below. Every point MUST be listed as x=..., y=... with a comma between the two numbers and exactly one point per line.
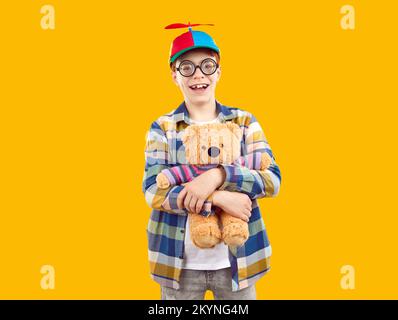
x=206, y=147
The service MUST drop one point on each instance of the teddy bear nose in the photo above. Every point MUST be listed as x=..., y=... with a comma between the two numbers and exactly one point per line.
x=213, y=151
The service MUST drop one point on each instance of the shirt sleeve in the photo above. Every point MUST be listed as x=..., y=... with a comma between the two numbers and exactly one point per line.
x=254, y=183
x=157, y=159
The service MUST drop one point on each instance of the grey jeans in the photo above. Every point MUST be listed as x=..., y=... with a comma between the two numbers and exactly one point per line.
x=194, y=283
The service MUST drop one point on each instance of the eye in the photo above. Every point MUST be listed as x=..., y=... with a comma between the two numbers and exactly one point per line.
x=209, y=65
x=186, y=68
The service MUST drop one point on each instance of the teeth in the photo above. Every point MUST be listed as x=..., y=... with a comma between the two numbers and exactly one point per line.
x=199, y=86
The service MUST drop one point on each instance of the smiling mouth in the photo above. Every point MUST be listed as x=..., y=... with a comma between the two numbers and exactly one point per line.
x=199, y=87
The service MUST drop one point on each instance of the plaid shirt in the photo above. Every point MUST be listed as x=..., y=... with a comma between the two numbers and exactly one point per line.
x=166, y=226
x=187, y=172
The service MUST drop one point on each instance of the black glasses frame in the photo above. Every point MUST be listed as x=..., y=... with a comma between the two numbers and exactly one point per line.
x=198, y=66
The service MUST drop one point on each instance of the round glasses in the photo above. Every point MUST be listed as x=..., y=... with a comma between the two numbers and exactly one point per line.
x=207, y=66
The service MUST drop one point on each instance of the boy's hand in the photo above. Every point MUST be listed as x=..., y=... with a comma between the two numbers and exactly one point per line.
x=199, y=189
x=236, y=204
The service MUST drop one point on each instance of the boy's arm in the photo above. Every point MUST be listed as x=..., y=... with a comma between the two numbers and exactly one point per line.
x=255, y=183
x=156, y=159
x=256, y=160
x=179, y=174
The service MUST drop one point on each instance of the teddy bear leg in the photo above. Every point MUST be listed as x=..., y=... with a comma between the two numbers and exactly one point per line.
x=204, y=231
x=235, y=231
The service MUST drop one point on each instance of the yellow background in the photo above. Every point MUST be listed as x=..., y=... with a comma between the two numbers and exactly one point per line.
x=76, y=103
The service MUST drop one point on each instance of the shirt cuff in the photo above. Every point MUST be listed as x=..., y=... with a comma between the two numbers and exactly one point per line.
x=232, y=175
x=170, y=203
x=207, y=208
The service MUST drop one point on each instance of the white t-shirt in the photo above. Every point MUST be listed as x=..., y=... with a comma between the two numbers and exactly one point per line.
x=204, y=259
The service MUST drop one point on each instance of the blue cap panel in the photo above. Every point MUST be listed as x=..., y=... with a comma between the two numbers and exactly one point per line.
x=202, y=39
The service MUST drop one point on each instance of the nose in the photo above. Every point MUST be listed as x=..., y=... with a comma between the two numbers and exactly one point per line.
x=213, y=151
x=198, y=73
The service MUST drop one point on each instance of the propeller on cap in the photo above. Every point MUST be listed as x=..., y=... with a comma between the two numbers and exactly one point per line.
x=183, y=25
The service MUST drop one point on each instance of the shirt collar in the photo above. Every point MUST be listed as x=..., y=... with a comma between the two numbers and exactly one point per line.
x=223, y=112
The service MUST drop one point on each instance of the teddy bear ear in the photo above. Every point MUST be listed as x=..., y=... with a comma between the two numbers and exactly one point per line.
x=187, y=134
x=235, y=129
x=190, y=132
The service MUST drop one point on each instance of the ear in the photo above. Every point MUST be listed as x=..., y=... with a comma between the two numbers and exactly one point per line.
x=218, y=73
x=235, y=129
x=174, y=77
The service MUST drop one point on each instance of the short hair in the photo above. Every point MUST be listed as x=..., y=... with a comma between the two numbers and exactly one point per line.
x=213, y=53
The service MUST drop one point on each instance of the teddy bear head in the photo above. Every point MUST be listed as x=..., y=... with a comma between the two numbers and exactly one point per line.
x=214, y=143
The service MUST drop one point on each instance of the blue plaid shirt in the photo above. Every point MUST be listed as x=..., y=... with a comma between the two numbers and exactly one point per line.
x=166, y=226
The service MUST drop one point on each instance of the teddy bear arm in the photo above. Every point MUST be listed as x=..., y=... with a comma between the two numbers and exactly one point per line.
x=162, y=181
x=265, y=161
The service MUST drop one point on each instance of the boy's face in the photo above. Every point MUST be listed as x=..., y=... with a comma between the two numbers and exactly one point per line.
x=191, y=95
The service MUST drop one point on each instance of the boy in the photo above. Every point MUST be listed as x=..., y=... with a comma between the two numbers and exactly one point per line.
x=183, y=270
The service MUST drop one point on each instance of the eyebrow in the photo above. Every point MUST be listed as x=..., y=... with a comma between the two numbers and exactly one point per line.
x=199, y=62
